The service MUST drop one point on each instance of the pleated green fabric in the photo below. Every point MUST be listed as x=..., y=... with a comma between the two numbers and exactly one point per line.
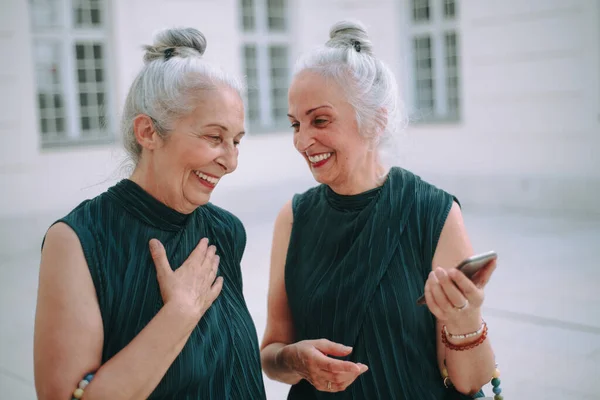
x=355, y=268
x=221, y=358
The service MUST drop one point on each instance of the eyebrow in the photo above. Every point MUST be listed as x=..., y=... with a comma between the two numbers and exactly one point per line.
x=312, y=110
x=224, y=128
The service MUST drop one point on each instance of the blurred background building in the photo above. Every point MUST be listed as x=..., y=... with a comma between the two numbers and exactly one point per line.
x=504, y=95
x=503, y=99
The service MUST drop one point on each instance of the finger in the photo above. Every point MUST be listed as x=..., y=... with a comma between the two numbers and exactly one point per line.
x=341, y=380
x=333, y=365
x=439, y=295
x=215, y=289
x=209, y=259
x=449, y=288
x=482, y=277
x=213, y=271
x=464, y=284
x=328, y=347
x=363, y=368
x=330, y=382
x=199, y=252
x=431, y=303
x=215, y=260
x=159, y=256
x=344, y=376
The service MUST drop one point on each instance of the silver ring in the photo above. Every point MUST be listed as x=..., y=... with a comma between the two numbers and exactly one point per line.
x=463, y=306
x=328, y=385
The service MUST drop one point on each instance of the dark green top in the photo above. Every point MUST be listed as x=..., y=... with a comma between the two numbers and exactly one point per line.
x=355, y=268
x=221, y=358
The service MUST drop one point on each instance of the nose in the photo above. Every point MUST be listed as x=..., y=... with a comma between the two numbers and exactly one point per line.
x=303, y=139
x=228, y=159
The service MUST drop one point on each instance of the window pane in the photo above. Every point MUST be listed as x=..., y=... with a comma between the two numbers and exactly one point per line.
x=278, y=57
x=48, y=56
x=424, y=83
x=449, y=9
x=91, y=88
x=420, y=10
x=452, y=74
x=87, y=13
x=276, y=15
x=45, y=14
x=248, y=17
x=251, y=71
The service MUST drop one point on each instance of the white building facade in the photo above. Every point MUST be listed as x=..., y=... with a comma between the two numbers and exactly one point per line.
x=504, y=96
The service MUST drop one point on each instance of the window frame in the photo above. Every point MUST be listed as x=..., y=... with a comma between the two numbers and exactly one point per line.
x=437, y=27
x=67, y=35
x=262, y=38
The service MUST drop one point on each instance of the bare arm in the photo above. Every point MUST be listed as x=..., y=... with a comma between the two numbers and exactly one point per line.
x=68, y=335
x=282, y=359
x=279, y=331
x=468, y=370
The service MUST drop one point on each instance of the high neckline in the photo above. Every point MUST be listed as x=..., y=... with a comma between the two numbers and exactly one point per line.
x=352, y=202
x=147, y=208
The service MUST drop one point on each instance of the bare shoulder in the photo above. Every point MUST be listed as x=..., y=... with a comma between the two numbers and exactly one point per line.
x=60, y=235
x=62, y=253
x=286, y=215
x=454, y=244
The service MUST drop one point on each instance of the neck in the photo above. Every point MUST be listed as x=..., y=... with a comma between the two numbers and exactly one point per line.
x=360, y=180
x=148, y=180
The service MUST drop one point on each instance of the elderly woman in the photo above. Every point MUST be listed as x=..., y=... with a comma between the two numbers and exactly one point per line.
x=351, y=256
x=131, y=304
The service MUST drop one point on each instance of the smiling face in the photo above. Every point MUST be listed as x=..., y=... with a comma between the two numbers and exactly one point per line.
x=183, y=169
x=326, y=134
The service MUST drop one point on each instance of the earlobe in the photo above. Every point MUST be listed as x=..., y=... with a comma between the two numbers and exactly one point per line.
x=145, y=133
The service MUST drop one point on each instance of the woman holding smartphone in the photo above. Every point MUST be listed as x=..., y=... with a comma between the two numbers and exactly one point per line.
x=351, y=256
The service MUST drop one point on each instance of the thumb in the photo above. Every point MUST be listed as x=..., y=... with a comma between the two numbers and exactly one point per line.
x=363, y=368
x=159, y=256
x=330, y=348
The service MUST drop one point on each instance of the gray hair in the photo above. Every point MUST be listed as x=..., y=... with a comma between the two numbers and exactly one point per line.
x=168, y=85
x=369, y=85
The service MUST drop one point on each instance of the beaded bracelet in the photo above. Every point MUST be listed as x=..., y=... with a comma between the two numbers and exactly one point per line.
x=466, y=346
x=466, y=335
x=495, y=382
x=78, y=393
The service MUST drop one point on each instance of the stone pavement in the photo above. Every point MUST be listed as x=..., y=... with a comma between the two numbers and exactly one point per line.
x=541, y=307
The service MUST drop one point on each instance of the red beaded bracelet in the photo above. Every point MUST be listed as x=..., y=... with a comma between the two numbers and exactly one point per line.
x=466, y=346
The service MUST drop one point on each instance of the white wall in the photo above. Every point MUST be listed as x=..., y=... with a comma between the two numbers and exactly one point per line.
x=530, y=126
x=531, y=90
x=18, y=137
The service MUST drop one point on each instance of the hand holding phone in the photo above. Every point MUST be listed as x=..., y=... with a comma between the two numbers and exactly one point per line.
x=470, y=266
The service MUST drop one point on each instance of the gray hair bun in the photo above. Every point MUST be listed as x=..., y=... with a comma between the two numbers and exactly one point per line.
x=350, y=34
x=182, y=42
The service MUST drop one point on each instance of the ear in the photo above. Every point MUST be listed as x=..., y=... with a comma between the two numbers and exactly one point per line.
x=145, y=133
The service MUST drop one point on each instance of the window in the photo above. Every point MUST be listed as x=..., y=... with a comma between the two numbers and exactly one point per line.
x=434, y=46
x=69, y=49
x=265, y=51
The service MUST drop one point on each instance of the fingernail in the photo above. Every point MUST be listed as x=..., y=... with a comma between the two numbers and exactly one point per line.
x=439, y=273
x=347, y=347
x=153, y=244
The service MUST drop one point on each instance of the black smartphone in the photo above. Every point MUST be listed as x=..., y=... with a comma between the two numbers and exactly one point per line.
x=470, y=266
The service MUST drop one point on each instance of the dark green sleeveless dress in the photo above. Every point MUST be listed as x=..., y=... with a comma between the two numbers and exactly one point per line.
x=221, y=358
x=355, y=268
